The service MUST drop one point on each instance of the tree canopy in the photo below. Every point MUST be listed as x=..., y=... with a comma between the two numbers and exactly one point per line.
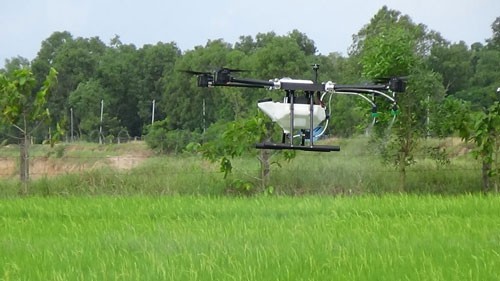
x=128, y=78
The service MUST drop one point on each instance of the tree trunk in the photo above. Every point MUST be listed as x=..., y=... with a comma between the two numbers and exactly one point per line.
x=265, y=167
x=24, y=165
x=402, y=177
x=485, y=176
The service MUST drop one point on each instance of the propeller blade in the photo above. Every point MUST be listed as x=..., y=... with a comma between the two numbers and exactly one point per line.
x=385, y=80
x=195, y=72
x=233, y=69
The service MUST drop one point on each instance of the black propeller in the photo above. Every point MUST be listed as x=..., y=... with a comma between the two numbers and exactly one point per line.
x=385, y=80
x=233, y=69
x=219, y=70
x=396, y=84
x=195, y=72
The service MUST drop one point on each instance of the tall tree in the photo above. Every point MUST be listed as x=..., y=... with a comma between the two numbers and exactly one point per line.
x=183, y=101
x=453, y=62
x=119, y=75
x=48, y=51
x=15, y=63
x=24, y=108
x=156, y=63
x=76, y=61
x=85, y=103
x=494, y=41
x=391, y=46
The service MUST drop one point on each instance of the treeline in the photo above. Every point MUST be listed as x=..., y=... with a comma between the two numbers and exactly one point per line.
x=126, y=81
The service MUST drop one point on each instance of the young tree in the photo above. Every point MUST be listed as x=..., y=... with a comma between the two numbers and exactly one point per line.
x=239, y=138
x=484, y=131
x=24, y=108
x=394, y=46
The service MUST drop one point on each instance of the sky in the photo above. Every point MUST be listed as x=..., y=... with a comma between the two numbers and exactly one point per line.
x=189, y=23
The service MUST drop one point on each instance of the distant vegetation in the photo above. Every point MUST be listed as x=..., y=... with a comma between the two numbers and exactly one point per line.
x=131, y=169
x=111, y=191
x=452, y=91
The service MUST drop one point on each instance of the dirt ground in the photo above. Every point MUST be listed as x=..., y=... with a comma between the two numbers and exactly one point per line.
x=52, y=166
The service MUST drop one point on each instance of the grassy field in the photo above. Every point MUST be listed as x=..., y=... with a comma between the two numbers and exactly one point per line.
x=404, y=237
x=133, y=169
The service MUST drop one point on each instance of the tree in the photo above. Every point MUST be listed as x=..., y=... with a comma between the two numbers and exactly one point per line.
x=15, y=63
x=280, y=57
x=494, y=41
x=119, y=75
x=85, y=102
x=484, y=131
x=305, y=43
x=24, y=108
x=391, y=45
x=156, y=62
x=76, y=60
x=453, y=62
x=183, y=101
x=380, y=22
x=239, y=138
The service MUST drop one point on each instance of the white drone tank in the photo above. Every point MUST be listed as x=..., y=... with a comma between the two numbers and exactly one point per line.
x=280, y=113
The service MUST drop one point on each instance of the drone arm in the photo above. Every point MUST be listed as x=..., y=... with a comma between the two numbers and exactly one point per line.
x=239, y=85
x=360, y=87
x=368, y=91
x=242, y=82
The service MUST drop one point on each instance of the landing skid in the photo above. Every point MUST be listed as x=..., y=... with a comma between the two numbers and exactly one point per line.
x=280, y=146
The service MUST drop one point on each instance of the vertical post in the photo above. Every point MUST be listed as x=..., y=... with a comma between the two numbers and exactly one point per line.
x=291, y=96
x=100, y=125
x=315, y=69
x=71, y=118
x=153, y=112
x=311, y=116
x=427, y=119
x=204, y=124
x=311, y=106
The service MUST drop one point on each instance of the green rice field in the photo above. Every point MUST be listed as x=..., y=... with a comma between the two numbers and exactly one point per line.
x=391, y=237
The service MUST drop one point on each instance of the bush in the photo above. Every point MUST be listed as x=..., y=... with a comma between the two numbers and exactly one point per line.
x=161, y=138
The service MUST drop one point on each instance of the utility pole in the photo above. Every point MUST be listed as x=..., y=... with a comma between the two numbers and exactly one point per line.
x=71, y=118
x=100, y=125
x=204, y=122
x=153, y=113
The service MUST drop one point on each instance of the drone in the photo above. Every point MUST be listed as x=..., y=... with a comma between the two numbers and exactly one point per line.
x=306, y=113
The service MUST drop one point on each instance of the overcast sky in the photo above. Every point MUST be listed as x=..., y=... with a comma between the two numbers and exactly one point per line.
x=329, y=23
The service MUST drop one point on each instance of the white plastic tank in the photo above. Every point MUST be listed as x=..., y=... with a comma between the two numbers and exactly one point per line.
x=280, y=113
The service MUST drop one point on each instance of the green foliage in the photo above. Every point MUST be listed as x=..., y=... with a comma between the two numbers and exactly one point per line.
x=390, y=53
x=161, y=137
x=349, y=116
x=24, y=108
x=129, y=78
x=238, y=139
x=453, y=62
x=85, y=169
x=451, y=116
x=494, y=41
x=485, y=133
x=19, y=103
x=391, y=46
x=85, y=102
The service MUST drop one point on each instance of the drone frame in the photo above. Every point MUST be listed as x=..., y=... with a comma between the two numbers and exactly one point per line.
x=223, y=78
